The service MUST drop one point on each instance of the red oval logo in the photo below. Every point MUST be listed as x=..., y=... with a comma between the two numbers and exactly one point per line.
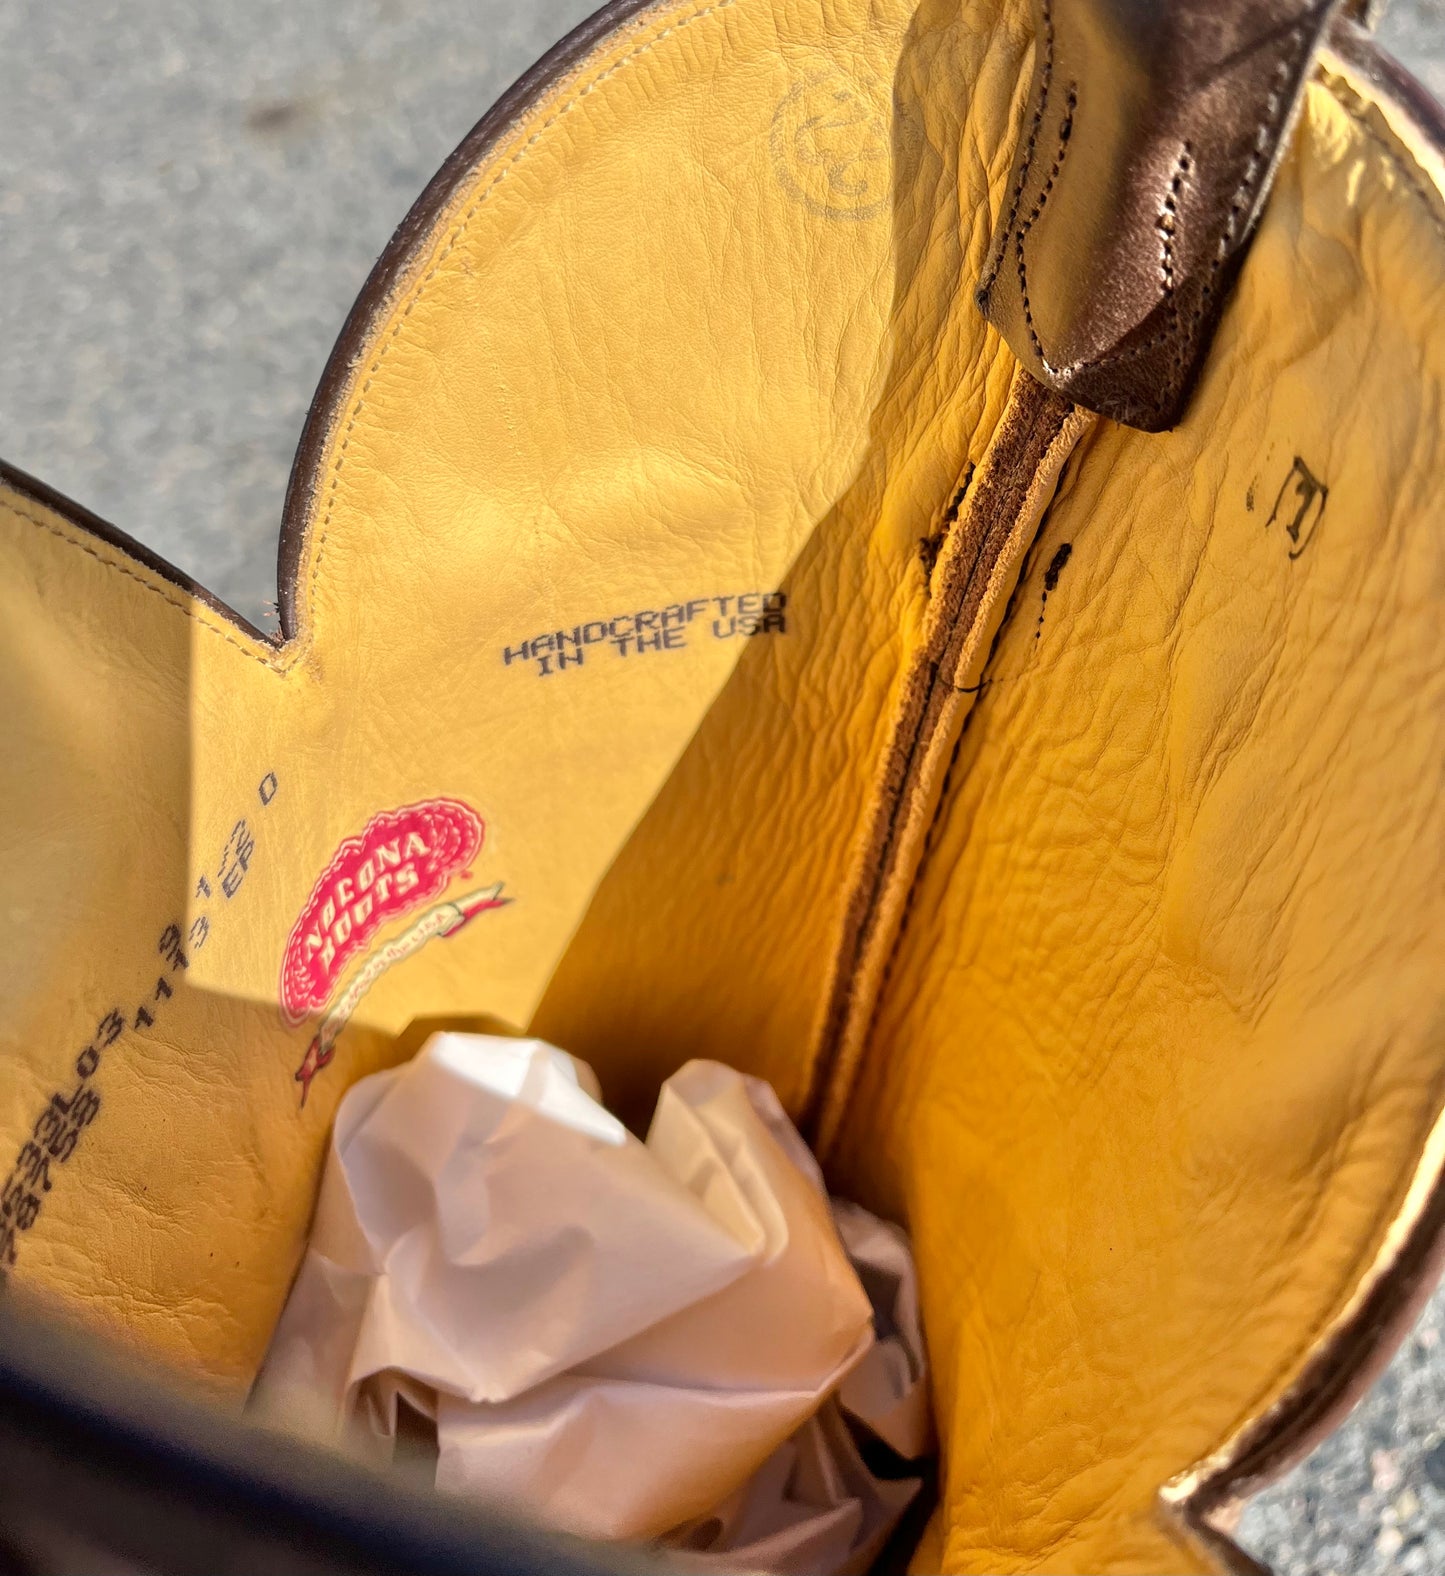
x=402, y=859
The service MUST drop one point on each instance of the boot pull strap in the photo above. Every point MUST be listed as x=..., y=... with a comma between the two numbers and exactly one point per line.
x=1145, y=157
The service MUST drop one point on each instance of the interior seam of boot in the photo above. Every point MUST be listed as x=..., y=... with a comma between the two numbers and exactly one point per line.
x=1036, y=423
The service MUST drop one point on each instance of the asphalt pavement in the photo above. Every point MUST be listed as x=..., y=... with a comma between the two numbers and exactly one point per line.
x=191, y=195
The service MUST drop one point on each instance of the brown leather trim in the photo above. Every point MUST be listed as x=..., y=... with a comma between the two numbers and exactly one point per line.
x=1204, y=1502
x=1148, y=156
x=391, y=268
x=1336, y=1376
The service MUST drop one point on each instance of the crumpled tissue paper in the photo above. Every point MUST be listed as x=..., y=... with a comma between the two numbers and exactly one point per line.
x=662, y=1341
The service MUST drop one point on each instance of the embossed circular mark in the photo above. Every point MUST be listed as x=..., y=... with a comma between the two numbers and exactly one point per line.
x=830, y=146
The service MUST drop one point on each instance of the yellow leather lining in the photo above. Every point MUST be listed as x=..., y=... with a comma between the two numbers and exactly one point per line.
x=663, y=328
x=1159, y=1048
x=1162, y=1046
x=715, y=930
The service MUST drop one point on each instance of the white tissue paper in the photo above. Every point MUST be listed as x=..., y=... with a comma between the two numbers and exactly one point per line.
x=663, y=1341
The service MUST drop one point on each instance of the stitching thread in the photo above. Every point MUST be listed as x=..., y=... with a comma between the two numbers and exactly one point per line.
x=189, y=609
x=1167, y=222
x=1046, y=73
x=895, y=948
x=1263, y=135
x=452, y=242
x=1239, y=203
x=1004, y=492
x=1395, y=156
x=1066, y=127
x=942, y=805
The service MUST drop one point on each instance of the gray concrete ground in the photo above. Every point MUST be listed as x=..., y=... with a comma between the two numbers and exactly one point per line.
x=191, y=194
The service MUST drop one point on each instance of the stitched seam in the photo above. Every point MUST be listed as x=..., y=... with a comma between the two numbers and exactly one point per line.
x=1167, y=222
x=1066, y=126
x=885, y=979
x=930, y=691
x=188, y=609
x=1237, y=205
x=866, y=892
x=915, y=884
x=1264, y=133
x=452, y=242
x=1395, y=156
x=1046, y=73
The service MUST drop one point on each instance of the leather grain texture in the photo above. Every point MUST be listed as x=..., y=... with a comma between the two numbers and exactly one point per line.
x=716, y=928
x=1155, y=1066
x=609, y=390
x=1168, y=1012
x=998, y=507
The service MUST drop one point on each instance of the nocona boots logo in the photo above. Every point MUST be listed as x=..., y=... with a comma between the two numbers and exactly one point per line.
x=402, y=860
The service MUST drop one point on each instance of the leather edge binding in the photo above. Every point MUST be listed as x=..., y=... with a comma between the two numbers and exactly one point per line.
x=1340, y=1368
x=391, y=269
x=36, y=492
x=972, y=582
x=1203, y=1502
